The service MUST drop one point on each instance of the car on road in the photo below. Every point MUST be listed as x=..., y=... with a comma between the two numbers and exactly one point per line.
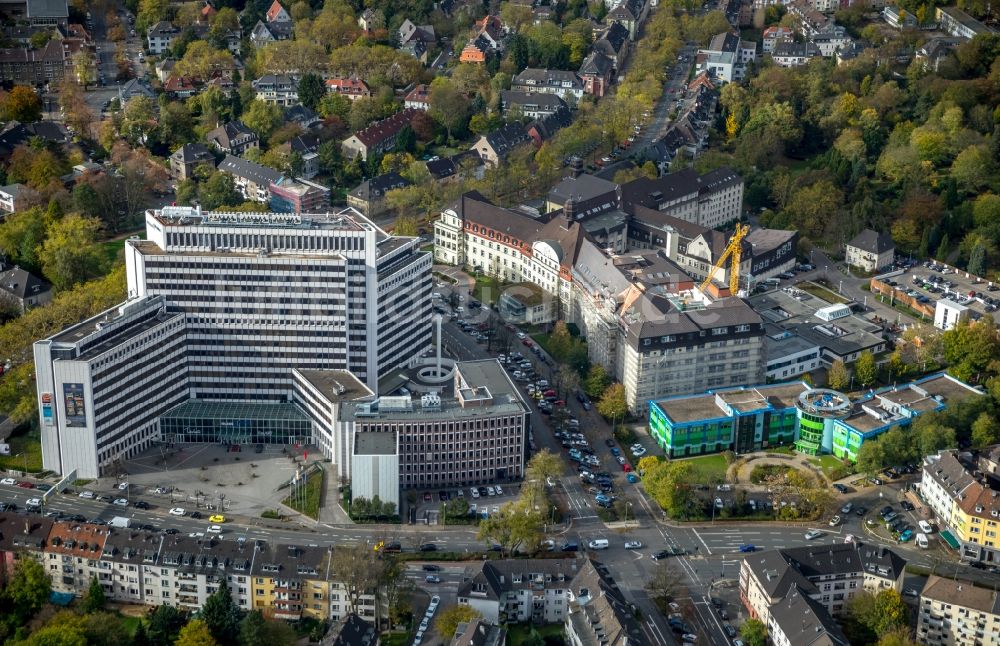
x=33, y=503
x=662, y=554
x=730, y=631
x=689, y=638
x=196, y=515
x=633, y=545
x=905, y=536
x=638, y=452
x=499, y=489
x=428, y=547
x=621, y=459
x=861, y=511
x=25, y=485
x=87, y=494
x=891, y=516
x=813, y=534
x=834, y=521
x=214, y=529
x=631, y=477
x=474, y=492
x=846, y=509
x=907, y=505
x=839, y=487
x=432, y=578
x=911, y=592
x=216, y=518
x=121, y=502
x=925, y=527
x=8, y=481
x=748, y=547
x=140, y=504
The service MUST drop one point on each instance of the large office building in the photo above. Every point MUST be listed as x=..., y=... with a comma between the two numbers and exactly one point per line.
x=221, y=307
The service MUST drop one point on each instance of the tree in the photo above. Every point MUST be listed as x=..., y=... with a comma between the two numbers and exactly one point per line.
x=21, y=235
x=405, y=226
x=754, y=633
x=22, y=104
x=597, y=380
x=974, y=169
x=27, y=590
x=222, y=616
x=263, y=118
x=195, y=633
x=613, y=405
x=448, y=104
x=358, y=570
x=931, y=435
x=898, y=637
x=95, y=598
x=448, y=619
x=256, y=630
x=871, y=457
x=515, y=526
x=837, y=377
x=70, y=254
x=666, y=583
x=977, y=260
x=311, y=90
x=985, y=431
x=202, y=61
x=218, y=191
x=865, y=369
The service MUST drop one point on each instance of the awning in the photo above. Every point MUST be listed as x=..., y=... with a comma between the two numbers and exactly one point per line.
x=949, y=538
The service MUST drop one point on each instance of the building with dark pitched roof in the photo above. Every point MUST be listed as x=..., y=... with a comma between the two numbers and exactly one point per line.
x=369, y=196
x=233, y=138
x=352, y=630
x=495, y=146
x=251, y=179
x=870, y=250
x=35, y=67
x=559, y=82
x=955, y=611
x=596, y=72
x=629, y=14
x=543, y=128
x=534, y=105
x=24, y=288
x=379, y=137
x=188, y=157
x=614, y=43
x=708, y=200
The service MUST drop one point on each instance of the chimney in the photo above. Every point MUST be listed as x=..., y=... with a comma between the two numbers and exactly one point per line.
x=569, y=209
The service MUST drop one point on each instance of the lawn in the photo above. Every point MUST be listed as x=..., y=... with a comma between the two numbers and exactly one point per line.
x=28, y=444
x=517, y=634
x=822, y=293
x=826, y=462
x=113, y=251
x=487, y=289
x=130, y=623
x=709, y=468
x=307, y=501
x=395, y=638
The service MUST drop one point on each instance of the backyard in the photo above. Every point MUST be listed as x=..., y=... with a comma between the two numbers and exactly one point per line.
x=519, y=634
x=25, y=452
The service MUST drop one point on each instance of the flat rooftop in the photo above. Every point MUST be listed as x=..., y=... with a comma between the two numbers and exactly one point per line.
x=125, y=335
x=336, y=385
x=694, y=408
x=221, y=410
x=941, y=385
x=786, y=344
x=691, y=409
x=185, y=216
x=148, y=248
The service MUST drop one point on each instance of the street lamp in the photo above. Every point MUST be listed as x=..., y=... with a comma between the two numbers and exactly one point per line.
x=627, y=505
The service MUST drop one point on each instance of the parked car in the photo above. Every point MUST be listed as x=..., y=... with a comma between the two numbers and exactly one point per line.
x=813, y=534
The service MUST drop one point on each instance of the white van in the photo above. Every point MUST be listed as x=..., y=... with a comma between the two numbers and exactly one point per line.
x=922, y=541
x=598, y=544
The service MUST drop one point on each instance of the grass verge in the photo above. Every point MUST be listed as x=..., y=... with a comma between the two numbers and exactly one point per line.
x=822, y=293
x=709, y=468
x=308, y=499
x=25, y=452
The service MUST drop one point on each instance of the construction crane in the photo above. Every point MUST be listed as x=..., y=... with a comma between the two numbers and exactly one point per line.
x=735, y=250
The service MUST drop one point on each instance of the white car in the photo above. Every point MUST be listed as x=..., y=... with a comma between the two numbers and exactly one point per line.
x=214, y=529
x=121, y=502
x=8, y=481
x=639, y=452
x=123, y=486
x=435, y=600
x=424, y=624
x=522, y=335
x=499, y=490
x=633, y=545
x=31, y=503
x=813, y=533
x=87, y=494
x=474, y=492
x=925, y=527
x=491, y=491
x=834, y=521
x=178, y=511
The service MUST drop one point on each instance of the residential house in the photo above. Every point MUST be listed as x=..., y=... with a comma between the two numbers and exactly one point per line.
x=959, y=24
x=589, y=193
x=164, y=68
x=353, y=88
x=809, y=20
x=871, y=250
x=899, y=18
x=23, y=288
x=233, y=138
x=264, y=33
x=180, y=87
x=369, y=196
x=12, y=197
x=299, y=196
x=530, y=104
x=419, y=98
x=798, y=619
x=252, y=180
x=379, y=137
x=352, y=630
x=35, y=67
x=543, y=128
x=71, y=555
x=463, y=164
x=479, y=633
x=495, y=146
x=410, y=32
x=303, y=116
x=831, y=575
x=16, y=134
x=726, y=58
x=629, y=14
x=614, y=43
x=832, y=40
x=280, y=89
x=774, y=35
x=418, y=49
x=562, y=83
x=133, y=88
x=956, y=611
x=277, y=13
x=367, y=20
x=160, y=37
x=285, y=578
x=188, y=157
x=491, y=28
x=936, y=50
x=37, y=13
x=21, y=535
x=794, y=54
x=520, y=590
x=477, y=50
x=306, y=146
x=710, y=200
x=487, y=41
x=598, y=612
x=596, y=72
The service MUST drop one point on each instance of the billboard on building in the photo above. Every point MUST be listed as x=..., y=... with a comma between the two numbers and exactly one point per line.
x=47, y=415
x=76, y=409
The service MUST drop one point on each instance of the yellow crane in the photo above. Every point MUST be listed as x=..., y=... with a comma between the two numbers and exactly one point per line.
x=735, y=250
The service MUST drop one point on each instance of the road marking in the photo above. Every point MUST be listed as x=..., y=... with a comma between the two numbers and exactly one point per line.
x=660, y=639
x=702, y=541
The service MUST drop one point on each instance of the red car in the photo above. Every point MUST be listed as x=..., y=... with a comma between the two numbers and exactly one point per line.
x=626, y=468
x=526, y=342
x=25, y=485
x=427, y=496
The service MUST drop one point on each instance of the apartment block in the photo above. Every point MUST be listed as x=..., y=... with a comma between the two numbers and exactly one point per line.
x=954, y=612
x=710, y=200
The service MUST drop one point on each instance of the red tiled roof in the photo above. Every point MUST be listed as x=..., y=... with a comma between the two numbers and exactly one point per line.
x=348, y=86
x=421, y=94
x=386, y=128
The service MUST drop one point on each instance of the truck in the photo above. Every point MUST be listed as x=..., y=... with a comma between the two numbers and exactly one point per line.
x=120, y=521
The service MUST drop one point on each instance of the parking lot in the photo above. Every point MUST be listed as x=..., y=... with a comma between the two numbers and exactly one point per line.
x=933, y=281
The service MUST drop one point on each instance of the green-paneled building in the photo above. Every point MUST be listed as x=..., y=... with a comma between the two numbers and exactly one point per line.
x=742, y=420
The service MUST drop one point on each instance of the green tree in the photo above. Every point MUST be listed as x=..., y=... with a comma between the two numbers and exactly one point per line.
x=985, y=431
x=597, y=381
x=970, y=348
x=218, y=191
x=449, y=105
x=263, y=118
x=70, y=254
x=514, y=527
x=195, y=633
x=838, y=377
x=95, y=598
x=256, y=630
x=865, y=369
x=22, y=104
x=613, y=405
x=890, y=612
x=222, y=616
x=977, y=260
x=871, y=457
x=311, y=90
x=898, y=637
x=164, y=624
x=665, y=584
x=405, y=226
x=21, y=235
x=447, y=620
x=974, y=169
x=932, y=435
x=754, y=633
x=27, y=590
